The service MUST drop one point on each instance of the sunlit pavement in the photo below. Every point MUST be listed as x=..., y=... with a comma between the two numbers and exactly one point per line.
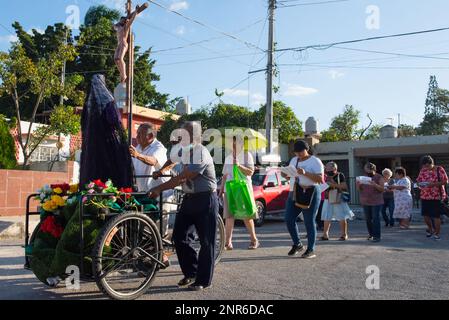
x=410, y=265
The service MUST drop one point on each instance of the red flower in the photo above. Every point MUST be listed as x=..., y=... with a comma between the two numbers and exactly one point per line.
x=50, y=226
x=100, y=184
x=127, y=191
x=64, y=187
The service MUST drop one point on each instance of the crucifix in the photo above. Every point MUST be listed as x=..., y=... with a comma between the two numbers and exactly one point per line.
x=125, y=44
x=123, y=29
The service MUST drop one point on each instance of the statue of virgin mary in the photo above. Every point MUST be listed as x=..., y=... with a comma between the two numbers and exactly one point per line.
x=105, y=151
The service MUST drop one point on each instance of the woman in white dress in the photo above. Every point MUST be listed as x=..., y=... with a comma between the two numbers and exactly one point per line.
x=403, y=200
x=245, y=162
x=335, y=210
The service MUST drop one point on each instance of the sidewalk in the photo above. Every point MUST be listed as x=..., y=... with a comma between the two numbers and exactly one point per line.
x=14, y=227
x=359, y=215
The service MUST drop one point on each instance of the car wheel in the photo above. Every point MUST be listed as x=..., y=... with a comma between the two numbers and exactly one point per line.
x=261, y=213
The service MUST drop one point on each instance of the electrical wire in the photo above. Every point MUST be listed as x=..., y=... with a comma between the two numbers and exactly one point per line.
x=283, y=5
x=330, y=45
x=247, y=43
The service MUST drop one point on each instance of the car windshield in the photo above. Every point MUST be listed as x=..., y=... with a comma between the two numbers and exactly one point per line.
x=258, y=179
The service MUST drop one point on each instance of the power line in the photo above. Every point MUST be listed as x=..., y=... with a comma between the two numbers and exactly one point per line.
x=232, y=88
x=196, y=44
x=330, y=45
x=431, y=56
x=254, y=56
x=207, y=26
x=322, y=66
x=210, y=39
x=308, y=3
x=176, y=36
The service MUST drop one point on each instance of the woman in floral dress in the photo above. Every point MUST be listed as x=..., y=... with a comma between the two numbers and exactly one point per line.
x=431, y=181
x=403, y=200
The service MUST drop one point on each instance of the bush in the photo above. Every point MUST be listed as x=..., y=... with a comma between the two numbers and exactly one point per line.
x=7, y=147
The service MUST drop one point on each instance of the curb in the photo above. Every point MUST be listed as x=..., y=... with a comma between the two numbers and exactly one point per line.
x=15, y=230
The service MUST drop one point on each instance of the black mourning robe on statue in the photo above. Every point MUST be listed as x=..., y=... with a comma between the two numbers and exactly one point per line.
x=105, y=151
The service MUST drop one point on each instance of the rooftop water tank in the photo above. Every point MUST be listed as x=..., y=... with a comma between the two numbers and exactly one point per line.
x=183, y=107
x=388, y=132
x=311, y=126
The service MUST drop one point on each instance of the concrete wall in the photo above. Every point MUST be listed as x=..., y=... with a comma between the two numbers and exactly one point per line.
x=347, y=146
x=16, y=186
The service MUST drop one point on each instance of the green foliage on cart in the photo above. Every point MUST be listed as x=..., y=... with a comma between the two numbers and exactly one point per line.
x=51, y=256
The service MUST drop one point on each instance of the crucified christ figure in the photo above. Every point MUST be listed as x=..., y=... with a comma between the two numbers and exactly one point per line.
x=122, y=28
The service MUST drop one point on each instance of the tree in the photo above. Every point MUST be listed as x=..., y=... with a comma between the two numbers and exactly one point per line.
x=38, y=46
x=96, y=44
x=225, y=115
x=170, y=124
x=284, y=120
x=329, y=135
x=145, y=92
x=229, y=115
x=436, y=120
x=41, y=79
x=373, y=132
x=7, y=146
x=433, y=124
x=344, y=126
x=96, y=13
x=406, y=130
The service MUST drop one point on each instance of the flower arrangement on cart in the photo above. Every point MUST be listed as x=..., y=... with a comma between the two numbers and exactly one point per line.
x=55, y=243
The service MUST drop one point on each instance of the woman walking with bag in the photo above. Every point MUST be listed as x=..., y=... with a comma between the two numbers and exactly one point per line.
x=245, y=163
x=335, y=207
x=305, y=195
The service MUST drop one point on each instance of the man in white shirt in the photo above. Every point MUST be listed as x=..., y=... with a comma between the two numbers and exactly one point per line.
x=149, y=156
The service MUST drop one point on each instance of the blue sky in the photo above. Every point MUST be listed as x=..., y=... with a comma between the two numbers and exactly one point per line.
x=381, y=85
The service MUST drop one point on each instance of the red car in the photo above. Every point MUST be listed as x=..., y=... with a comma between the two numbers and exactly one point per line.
x=270, y=193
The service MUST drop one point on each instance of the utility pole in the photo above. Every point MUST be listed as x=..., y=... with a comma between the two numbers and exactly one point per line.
x=399, y=125
x=61, y=99
x=270, y=73
x=130, y=80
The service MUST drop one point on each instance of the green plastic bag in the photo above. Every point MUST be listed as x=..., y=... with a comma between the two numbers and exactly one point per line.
x=240, y=198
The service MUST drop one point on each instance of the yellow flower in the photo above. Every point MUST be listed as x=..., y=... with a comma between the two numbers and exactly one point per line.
x=57, y=190
x=57, y=201
x=73, y=188
x=48, y=206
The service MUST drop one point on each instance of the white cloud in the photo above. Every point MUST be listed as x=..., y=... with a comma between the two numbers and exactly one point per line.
x=294, y=90
x=235, y=92
x=258, y=99
x=179, y=5
x=180, y=30
x=9, y=38
x=335, y=74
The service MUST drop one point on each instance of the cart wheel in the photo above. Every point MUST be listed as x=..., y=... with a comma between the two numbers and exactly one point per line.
x=125, y=256
x=30, y=243
x=220, y=241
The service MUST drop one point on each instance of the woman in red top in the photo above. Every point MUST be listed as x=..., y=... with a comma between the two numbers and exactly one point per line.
x=431, y=181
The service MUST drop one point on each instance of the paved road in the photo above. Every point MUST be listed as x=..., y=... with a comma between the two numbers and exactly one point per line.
x=411, y=267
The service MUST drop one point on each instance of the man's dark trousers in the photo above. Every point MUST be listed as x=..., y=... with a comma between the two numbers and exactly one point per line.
x=198, y=212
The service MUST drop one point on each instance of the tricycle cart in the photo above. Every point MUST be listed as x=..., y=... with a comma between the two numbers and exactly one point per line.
x=129, y=249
